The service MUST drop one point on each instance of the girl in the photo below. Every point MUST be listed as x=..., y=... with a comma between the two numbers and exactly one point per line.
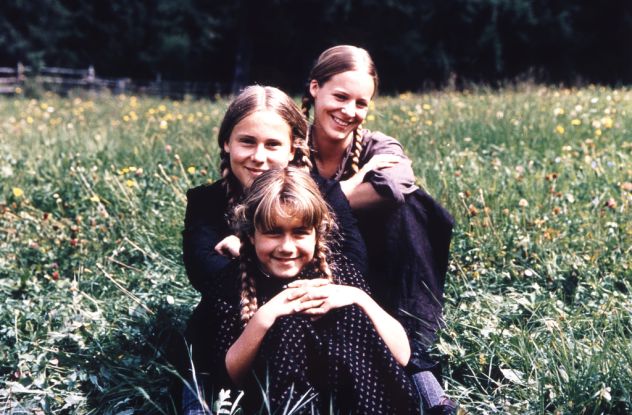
x=262, y=129
x=407, y=233
x=282, y=316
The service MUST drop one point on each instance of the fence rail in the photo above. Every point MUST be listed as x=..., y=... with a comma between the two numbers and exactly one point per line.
x=63, y=80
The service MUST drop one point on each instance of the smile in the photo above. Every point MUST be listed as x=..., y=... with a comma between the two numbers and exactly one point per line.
x=254, y=171
x=340, y=121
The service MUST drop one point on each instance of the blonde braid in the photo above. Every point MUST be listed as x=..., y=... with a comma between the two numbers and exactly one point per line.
x=248, y=294
x=321, y=256
x=356, y=149
x=301, y=154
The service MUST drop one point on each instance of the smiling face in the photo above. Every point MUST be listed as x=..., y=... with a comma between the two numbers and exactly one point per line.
x=259, y=142
x=285, y=248
x=341, y=104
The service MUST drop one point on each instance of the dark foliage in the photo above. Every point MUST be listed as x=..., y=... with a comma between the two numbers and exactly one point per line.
x=416, y=44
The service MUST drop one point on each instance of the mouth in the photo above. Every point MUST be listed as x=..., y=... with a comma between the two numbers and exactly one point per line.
x=255, y=171
x=285, y=260
x=340, y=122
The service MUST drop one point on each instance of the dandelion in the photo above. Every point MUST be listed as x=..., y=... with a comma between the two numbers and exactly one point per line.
x=130, y=183
x=558, y=111
x=576, y=121
x=607, y=122
x=17, y=192
x=191, y=170
x=559, y=129
x=163, y=125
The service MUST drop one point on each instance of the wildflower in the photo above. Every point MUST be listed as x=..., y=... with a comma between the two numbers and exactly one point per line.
x=130, y=183
x=168, y=148
x=191, y=170
x=55, y=275
x=603, y=393
x=627, y=186
x=611, y=203
x=576, y=121
x=74, y=242
x=607, y=122
x=426, y=107
x=523, y=203
x=163, y=125
x=598, y=132
x=559, y=129
x=95, y=199
x=472, y=210
x=17, y=192
x=370, y=117
x=558, y=111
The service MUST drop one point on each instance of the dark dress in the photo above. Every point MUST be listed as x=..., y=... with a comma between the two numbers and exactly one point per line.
x=206, y=224
x=408, y=241
x=339, y=358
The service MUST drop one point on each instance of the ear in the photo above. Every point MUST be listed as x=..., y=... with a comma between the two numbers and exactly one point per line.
x=226, y=148
x=313, y=88
x=290, y=157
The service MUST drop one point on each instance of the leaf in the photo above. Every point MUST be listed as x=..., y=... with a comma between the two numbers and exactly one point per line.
x=513, y=376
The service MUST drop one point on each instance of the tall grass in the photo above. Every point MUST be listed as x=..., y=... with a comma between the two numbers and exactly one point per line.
x=538, y=297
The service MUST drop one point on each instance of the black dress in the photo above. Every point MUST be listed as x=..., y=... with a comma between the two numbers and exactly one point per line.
x=206, y=224
x=339, y=358
x=407, y=240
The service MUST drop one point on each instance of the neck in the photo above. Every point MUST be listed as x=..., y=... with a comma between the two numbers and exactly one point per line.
x=329, y=152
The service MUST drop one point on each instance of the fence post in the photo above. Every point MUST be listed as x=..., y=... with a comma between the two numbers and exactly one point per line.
x=20, y=72
x=91, y=76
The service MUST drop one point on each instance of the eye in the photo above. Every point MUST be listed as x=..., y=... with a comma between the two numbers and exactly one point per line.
x=274, y=144
x=340, y=97
x=362, y=104
x=303, y=231
x=272, y=232
x=246, y=140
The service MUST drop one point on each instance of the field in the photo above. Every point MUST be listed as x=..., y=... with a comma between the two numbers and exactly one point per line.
x=538, y=307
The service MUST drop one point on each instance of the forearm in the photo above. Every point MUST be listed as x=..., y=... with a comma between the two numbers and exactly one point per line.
x=242, y=353
x=389, y=329
x=362, y=196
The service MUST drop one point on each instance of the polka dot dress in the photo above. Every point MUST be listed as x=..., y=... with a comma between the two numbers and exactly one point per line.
x=337, y=360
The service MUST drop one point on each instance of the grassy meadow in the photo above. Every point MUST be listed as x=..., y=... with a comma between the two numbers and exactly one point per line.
x=538, y=296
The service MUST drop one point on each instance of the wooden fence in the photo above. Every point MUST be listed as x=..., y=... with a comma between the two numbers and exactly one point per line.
x=63, y=80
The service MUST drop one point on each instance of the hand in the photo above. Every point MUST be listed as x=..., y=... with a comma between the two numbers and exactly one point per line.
x=287, y=302
x=229, y=246
x=322, y=299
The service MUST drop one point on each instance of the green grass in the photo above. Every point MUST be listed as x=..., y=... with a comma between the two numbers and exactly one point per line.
x=538, y=294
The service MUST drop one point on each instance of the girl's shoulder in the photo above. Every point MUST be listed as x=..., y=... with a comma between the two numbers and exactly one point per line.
x=376, y=142
x=212, y=191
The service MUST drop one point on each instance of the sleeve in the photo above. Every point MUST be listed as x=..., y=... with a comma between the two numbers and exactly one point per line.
x=204, y=227
x=393, y=182
x=348, y=273
x=351, y=243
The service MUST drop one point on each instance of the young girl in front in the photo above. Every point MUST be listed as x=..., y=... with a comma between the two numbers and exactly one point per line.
x=295, y=320
x=407, y=233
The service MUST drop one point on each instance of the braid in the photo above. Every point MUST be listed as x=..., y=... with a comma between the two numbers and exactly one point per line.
x=228, y=179
x=356, y=150
x=248, y=294
x=306, y=103
x=301, y=154
x=320, y=255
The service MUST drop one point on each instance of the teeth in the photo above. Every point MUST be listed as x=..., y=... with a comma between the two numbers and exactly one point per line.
x=341, y=122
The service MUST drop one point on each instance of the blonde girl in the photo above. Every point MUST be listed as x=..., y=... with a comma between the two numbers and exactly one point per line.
x=295, y=317
x=406, y=231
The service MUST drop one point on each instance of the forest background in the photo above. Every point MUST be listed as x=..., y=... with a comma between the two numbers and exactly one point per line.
x=416, y=44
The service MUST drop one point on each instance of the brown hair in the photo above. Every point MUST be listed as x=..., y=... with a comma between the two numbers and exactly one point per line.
x=287, y=192
x=335, y=60
x=261, y=98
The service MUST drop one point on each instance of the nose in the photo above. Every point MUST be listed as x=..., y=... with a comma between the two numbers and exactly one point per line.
x=287, y=245
x=349, y=109
x=259, y=154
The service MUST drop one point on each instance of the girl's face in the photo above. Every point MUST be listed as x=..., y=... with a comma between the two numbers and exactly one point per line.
x=259, y=142
x=341, y=104
x=284, y=250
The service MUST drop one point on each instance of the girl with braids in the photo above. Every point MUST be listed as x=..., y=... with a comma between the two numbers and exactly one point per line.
x=407, y=233
x=296, y=318
x=262, y=129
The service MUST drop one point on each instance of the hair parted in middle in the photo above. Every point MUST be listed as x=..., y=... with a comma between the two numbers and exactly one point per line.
x=261, y=98
x=279, y=193
x=335, y=60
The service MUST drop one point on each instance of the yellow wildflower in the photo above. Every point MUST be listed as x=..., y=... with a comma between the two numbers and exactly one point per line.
x=607, y=122
x=17, y=192
x=559, y=129
x=576, y=121
x=370, y=117
x=191, y=170
x=163, y=125
x=130, y=183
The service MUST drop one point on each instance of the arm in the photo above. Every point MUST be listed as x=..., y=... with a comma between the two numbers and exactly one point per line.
x=204, y=227
x=333, y=296
x=386, y=167
x=242, y=353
